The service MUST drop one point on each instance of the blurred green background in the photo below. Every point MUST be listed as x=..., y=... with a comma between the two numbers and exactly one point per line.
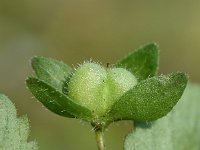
x=77, y=30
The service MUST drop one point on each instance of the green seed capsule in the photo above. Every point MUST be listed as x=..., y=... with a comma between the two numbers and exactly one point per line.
x=98, y=88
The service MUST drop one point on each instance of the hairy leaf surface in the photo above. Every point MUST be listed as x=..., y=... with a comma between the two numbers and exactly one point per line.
x=13, y=131
x=150, y=99
x=179, y=130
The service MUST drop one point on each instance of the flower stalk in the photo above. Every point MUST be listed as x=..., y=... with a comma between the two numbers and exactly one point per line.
x=100, y=139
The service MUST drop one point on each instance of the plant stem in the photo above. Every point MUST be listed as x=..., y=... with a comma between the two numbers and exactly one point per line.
x=100, y=139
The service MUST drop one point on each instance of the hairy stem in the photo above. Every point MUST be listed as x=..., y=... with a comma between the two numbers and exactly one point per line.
x=100, y=139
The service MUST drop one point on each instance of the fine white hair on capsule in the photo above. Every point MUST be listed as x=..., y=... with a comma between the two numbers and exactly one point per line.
x=92, y=129
x=78, y=65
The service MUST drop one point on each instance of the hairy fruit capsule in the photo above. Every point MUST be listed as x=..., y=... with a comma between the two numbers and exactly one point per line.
x=98, y=88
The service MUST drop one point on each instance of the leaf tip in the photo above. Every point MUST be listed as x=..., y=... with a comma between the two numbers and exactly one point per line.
x=33, y=60
x=153, y=46
x=181, y=77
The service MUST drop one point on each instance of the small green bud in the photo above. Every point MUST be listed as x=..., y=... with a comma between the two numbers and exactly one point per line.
x=97, y=88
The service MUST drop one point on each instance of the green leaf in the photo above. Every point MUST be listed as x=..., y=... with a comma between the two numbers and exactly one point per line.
x=179, y=130
x=150, y=99
x=51, y=71
x=143, y=62
x=13, y=131
x=56, y=101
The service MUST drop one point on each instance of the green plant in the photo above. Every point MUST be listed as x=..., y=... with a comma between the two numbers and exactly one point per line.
x=13, y=131
x=127, y=90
